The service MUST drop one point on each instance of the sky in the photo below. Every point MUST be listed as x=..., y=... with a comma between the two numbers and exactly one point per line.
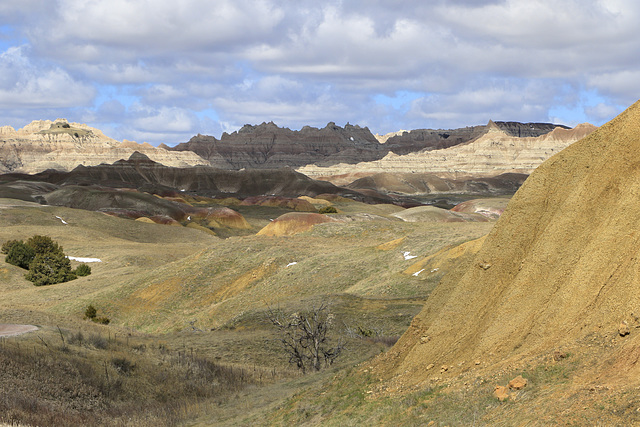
x=162, y=71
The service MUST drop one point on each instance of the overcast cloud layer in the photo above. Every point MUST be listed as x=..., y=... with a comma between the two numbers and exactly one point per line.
x=163, y=71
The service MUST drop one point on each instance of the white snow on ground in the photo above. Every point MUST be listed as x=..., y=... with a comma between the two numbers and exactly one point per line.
x=408, y=256
x=291, y=263
x=434, y=270
x=417, y=272
x=63, y=221
x=80, y=259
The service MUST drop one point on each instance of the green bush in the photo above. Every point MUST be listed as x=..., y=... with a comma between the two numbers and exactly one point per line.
x=83, y=270
x=45, y=260
x=44, y=245
x=21, y=255
x=6, y=246
x=49, y=269
x=328, y=210
x=90, y=312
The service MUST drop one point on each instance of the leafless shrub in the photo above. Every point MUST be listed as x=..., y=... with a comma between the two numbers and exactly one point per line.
x=304, y=337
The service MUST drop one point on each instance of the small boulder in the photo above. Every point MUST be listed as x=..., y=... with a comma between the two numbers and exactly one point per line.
x=518, y=383
x=484, y=265
x=501, y=393
x=623, y=329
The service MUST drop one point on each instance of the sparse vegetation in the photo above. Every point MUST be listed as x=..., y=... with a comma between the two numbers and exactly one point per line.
x=304, y=337
x=80, y=383
x=327, y=210
x=158, y=279
x=91, y=313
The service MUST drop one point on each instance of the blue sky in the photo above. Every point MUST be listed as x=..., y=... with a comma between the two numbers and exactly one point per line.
x=163, y=71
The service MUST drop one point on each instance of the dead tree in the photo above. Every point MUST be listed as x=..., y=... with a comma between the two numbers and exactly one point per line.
x=304, y=337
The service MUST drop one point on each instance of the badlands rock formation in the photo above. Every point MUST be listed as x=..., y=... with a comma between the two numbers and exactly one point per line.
x=269, y=146
x=61, y=145
x=494, y=152
x=145, y=175
x=559, y=272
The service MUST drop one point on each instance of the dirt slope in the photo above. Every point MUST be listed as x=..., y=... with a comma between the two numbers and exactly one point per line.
x=560, y=268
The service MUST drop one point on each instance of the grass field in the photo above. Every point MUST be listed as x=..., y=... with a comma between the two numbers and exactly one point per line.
x=185, y=304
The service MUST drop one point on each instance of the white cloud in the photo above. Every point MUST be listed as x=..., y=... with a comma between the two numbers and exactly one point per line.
x=309, y=62
x=24, y=84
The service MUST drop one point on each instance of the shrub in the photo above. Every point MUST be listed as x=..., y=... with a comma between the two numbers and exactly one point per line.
x=328, y=210
x=49, y=269
x=83, y=270
x=6, y=246
x=90, y=312
x=21, y=255
x=123, y=365
x=304, y=337
x=102, y=320
x=44, y=245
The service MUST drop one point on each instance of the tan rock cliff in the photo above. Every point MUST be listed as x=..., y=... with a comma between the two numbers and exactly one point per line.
x=61, y=145
x=491, y=154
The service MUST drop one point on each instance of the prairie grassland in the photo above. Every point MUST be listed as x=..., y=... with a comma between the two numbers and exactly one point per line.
x=187, y=306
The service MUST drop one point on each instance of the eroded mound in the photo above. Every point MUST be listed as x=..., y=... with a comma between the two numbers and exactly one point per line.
x=293, y=223
x=559, y=271
x=490, y=207
x=433, y=214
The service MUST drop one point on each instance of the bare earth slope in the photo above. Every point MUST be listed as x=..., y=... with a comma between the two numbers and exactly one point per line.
x=559, y=271
x=61, y=145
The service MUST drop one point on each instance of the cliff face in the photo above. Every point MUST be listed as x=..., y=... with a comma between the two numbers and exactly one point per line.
x=269, y=146
x=494, y=152
x=61, y=145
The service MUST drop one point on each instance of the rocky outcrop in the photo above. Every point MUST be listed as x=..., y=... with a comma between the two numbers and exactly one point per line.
x=269, y=146
x=61, y=145
x=494, y=152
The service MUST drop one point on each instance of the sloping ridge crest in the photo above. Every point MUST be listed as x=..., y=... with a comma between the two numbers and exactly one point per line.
x=561, y=264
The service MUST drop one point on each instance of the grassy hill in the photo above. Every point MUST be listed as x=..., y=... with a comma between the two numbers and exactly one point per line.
x=175, y=290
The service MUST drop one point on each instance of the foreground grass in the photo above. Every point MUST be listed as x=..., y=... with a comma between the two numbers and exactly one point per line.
x=95, y=377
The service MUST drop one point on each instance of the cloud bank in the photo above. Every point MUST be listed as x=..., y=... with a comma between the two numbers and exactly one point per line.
x=162, y=71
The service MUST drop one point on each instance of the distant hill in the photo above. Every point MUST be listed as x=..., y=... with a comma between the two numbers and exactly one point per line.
x=501, y=147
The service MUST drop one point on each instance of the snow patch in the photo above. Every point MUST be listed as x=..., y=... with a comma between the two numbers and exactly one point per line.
x=63, y=221
x=291, y=263
x=418, y=272
x=80, y=259
x=408, y=256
